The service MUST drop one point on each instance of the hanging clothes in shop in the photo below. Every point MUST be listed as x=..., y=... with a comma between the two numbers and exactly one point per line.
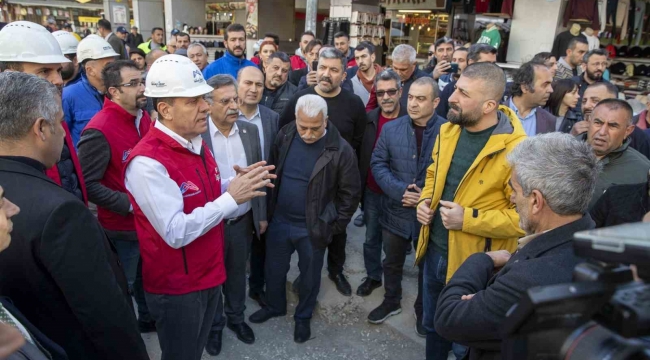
x=622, y=12
x=639, y=15
x=490, y=36
x=631, y=14
x=594, y=42
x=561, y=43
x=495, y=6
x=507, y=7
x=612, y=11
x=469, y=6
x=582, y=9
x=482, y=6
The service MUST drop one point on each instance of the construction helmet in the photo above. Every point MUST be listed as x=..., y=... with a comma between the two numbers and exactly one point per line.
x=174, y=76
x=94, y=47
x=67, y=41
x=25, y=41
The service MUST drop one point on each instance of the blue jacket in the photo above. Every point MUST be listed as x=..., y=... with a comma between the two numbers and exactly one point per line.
x=227, y=64
x=81, y=101
x=395, y=165
x=76, y=79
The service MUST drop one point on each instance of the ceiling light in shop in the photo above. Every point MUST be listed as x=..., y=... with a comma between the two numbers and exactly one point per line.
x=83, y=1
x=415, y=11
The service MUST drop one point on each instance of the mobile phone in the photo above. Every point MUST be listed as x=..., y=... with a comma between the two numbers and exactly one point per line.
x=314, y=65
x=454, y=68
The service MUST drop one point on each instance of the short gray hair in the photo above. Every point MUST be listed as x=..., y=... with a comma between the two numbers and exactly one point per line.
x=404, y=53
x=193, y=45
x=562, y=168
x=333, y=53
x=312, y=105
x=425, y=80
x=388, y=75
x=23, y=99
x=219, y=81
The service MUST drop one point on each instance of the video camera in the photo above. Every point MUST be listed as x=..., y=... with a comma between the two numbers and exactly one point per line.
x=604, y=314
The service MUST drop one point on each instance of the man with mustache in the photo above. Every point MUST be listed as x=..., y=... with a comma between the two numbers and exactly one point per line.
x=530, y=89
x=235, y=57
x=389, y=91
x=347, y=113
x=278, y=91
x=235, y=144
x=465, y=204
x=314, y=198
x=397, y=173
x=105, y=143
x=251, y=82
x=610, y=127
x=594, y=64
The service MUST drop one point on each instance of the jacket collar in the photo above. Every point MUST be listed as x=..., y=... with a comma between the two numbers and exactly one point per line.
x=430, y=123
x=373, y=115
x=332, y=137
x=234, y=60
x=617, y=152
x=176, y=141
x=556, y=237
x=23, y=165
x=123, y=115
x=90, y=87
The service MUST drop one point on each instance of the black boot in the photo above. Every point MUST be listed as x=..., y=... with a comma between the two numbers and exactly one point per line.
x=213, y=347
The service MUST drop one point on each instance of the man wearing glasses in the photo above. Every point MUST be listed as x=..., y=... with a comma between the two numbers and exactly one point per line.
x=105, y=144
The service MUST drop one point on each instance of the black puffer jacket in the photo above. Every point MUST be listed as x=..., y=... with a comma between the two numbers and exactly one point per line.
x=282, y=96
x=334, y=189
x=69, y=178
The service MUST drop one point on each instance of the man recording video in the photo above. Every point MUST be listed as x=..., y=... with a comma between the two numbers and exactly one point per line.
x=553, y=179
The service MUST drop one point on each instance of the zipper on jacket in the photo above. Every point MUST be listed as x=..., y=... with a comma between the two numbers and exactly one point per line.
x=488, y=245
x=207, y=173
x=205, y=193
x=184, y=260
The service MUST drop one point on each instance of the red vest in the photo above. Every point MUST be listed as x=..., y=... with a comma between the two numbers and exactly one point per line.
x=118, y=127
x=199, y=265
x=53, y=172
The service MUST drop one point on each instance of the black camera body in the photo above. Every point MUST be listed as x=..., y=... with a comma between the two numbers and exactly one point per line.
x=599, y=316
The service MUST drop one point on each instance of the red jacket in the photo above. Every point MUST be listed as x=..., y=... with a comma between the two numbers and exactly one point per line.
x=297, y=63
x=53, y=172
x=198, y=265
x=117, y=126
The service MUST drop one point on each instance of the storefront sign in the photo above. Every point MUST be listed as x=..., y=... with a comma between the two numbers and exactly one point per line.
x=119, y=14
x=89, y=19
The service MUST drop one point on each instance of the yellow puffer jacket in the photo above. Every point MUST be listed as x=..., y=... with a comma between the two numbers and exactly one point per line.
x=490, y=220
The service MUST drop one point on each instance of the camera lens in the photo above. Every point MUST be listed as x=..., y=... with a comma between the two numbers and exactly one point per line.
x=593, y=342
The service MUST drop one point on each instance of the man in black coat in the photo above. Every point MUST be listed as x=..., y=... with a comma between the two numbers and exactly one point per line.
x=621, y=204
x=473, y=305
x=62, y=272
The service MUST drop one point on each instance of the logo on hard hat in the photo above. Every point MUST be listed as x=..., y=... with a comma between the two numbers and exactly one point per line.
x=158, y=84
x=198, y=76
x=107, y=47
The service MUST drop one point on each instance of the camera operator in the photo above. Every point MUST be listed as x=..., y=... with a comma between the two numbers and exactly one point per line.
x=473, y=305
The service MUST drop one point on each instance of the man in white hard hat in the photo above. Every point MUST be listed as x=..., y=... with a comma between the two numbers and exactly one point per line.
x=70, y=72
x=29, y=48
x=84, y=99
x=179, y=203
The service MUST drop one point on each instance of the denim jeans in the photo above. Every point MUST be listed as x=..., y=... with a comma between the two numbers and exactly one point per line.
x=282, y=239
x=435, y=273
x=129, y=254
x=372, y=245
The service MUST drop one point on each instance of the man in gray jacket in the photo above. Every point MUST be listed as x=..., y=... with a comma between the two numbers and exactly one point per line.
x=609, y=130
x=104, y=30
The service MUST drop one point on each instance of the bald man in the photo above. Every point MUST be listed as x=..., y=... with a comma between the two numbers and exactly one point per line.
x=251, y=88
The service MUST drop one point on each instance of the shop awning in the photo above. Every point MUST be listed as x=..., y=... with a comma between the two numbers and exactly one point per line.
x=58, y=4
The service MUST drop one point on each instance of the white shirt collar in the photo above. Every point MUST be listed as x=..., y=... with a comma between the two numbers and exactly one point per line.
x=193, y=146
x=257, y=113
x=214, y=130
x=107, y=36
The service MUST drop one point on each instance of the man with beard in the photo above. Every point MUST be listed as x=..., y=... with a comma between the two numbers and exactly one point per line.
x=465, y=205
x=70, y=70
x=531, y=88
x=610, y=127
x=364, y=79
x=105, y=143
x=347, y=113
x=567, y=66
x=299, y=61
x=594, y=65
x=278, y=91
x=474, y=303
x=235, y=58
x=342, y=44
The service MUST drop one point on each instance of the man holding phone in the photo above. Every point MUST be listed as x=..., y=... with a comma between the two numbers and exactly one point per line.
x=443, y=51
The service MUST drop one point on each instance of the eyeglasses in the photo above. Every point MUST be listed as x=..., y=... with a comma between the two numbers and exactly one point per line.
x=133, y=83
x=225, y=102
x=381, y=93
x=431, y=53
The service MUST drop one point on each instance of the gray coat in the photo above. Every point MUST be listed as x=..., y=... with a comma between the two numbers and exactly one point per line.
x=249, y=136
x=270, y=120
x=118, y=46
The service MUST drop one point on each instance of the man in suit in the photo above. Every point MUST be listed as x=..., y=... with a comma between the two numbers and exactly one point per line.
x=474, y=303
x=531, y=88
x=134, y=39
x=235, y=145
x=250, y=91
x=58, y=242
x=104, y=30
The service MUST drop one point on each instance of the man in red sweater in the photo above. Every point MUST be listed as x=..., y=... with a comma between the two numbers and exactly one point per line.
x=298, y=61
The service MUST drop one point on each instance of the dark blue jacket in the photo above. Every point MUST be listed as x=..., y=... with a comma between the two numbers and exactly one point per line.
x=227, y=64
x=395, y=165
x=406, y=85
x=75, y=80
x=81, y=101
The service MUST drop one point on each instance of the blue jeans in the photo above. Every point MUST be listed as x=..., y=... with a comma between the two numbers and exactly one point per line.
x=435, y=273
x=282, y=239
x=372, y=245
x=129, y=254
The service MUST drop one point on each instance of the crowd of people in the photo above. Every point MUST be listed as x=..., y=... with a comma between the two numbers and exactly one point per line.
x=197, y=169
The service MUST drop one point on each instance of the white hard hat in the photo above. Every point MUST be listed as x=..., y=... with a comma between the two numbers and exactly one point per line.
x=175, y=76
x=67, y=41
x=95, y=48
x=25, y=41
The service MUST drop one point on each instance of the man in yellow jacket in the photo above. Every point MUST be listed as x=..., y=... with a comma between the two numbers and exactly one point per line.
x=465, y=205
